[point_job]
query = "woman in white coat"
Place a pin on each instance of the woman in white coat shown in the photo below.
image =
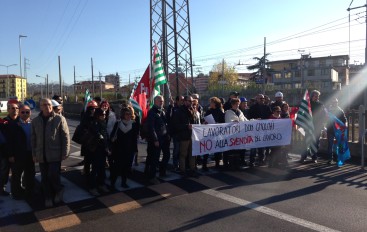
(234, 115)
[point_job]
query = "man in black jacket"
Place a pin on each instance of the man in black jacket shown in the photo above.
(158, 140)
(171, 111)
(182, 122)
(11, 118)
(258, 111)
(20, 157)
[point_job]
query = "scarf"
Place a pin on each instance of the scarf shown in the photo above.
(125, 126)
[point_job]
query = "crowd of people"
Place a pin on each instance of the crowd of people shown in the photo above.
(24, 142)
(108, 141)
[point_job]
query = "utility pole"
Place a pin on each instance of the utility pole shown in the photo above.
(100, 83)
(60, 78)
(264, 68)
(223, 77)
(91, 60)
(365, 50)
(74, 86)
(47, 90)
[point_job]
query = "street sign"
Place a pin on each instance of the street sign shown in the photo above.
(30, 103)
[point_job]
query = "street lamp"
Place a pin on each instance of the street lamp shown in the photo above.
(46, 84)
(20, 65)
(7, 73)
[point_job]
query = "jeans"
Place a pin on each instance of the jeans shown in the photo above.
(153, 157)
(50, 178)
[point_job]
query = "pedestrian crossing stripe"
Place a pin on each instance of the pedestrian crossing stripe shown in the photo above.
(79, 204)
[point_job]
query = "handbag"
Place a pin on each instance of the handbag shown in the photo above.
(78, 134)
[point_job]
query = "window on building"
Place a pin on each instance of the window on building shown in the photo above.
(288, 75)
(297, 85)
(277, 75)
(297, 73)
(287, 86)
(311, 72)
(324, 71)
(322, 63)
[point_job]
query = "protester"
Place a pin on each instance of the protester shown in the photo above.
(20, 157)
(170, 112)
(85, 123)
(258, 111)
(278, 100)
(227, 105)
(124, 145)
(339, 113)
(98, 149)
(56, 107)
(234, 115)
(60, 101)
(216, 110)
(277, 158)
(244, 107)
(318, 119)
(158, 140)
(183, 121)
(10, 119)
(50, 145)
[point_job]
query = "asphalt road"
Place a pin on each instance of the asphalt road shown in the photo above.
(308, 197)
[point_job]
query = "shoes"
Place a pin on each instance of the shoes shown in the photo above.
(124, 185)
(154, 181)
(94, 192)
(314, 161)
(48, 203)
(59, 196)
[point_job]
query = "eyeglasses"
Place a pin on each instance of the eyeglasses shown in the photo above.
(25, 112)
(15, 108)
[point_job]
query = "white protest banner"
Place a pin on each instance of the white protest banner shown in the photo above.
(240, 135)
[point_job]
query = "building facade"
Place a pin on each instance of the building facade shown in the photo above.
(82, 86)
(13, 86)
(328, 73)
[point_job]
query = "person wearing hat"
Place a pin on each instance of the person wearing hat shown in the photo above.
(59, 109)
(278, 100)
(56, 107)
(228, 105)
(243, 106)
(85, 122)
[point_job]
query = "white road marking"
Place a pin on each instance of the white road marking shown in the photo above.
(76, 155)
(268, 211)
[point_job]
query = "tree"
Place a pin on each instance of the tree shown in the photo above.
(230, 75)
(259, 66)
